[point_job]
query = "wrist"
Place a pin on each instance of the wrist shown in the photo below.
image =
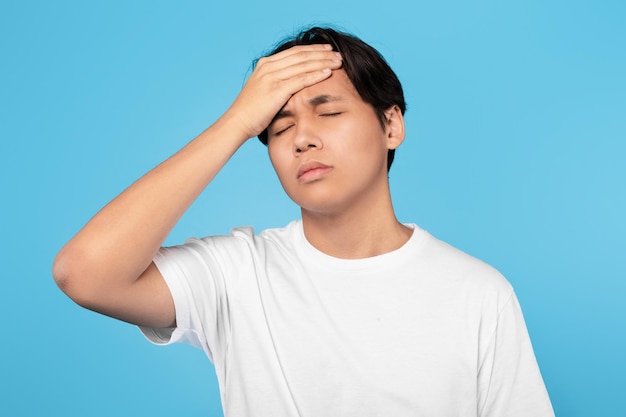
(232, 125)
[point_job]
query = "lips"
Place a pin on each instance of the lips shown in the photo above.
(312, 170)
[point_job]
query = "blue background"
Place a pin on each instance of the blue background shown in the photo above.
(515, 153)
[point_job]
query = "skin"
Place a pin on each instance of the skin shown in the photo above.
(107, 266)
(345, 202)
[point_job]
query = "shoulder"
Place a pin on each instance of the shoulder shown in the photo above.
(244, 239)
(443, 259)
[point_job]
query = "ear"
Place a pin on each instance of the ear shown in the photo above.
(394, 127)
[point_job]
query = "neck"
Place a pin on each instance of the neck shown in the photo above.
(363, 231)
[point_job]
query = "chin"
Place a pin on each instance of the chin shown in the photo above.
(322, 207)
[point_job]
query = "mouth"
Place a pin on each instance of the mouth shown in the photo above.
(312, 170)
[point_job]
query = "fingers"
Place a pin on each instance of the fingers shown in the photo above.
(278, 77)
(307, 62)
(298, 67)
(297, 61)
(297, 49)
(295, 80)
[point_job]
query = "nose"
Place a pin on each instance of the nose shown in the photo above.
(306, 137)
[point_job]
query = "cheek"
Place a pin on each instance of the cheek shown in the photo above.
(362, 141)
(279, 159)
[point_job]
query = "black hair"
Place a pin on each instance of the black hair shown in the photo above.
(366, 68)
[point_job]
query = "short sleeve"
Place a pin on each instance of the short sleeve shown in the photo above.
(199, 275)
(509, 380)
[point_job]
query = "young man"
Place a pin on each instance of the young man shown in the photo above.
(344, 312)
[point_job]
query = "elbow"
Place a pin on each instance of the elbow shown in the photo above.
(61, 272)
(70, 276)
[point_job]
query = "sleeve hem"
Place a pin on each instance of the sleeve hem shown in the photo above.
(166, 336)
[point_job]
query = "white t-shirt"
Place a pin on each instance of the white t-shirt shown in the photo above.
(424, 330)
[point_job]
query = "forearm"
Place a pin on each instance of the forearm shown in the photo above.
(120, 241)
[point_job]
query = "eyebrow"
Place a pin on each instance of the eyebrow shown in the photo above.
(314, 102)
(324, 98)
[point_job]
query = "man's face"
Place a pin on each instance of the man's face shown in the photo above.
(328, 147)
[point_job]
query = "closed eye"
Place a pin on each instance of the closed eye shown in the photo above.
(330, 114)
(283, 130)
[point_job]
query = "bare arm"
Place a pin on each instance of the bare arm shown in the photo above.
(107, 267)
